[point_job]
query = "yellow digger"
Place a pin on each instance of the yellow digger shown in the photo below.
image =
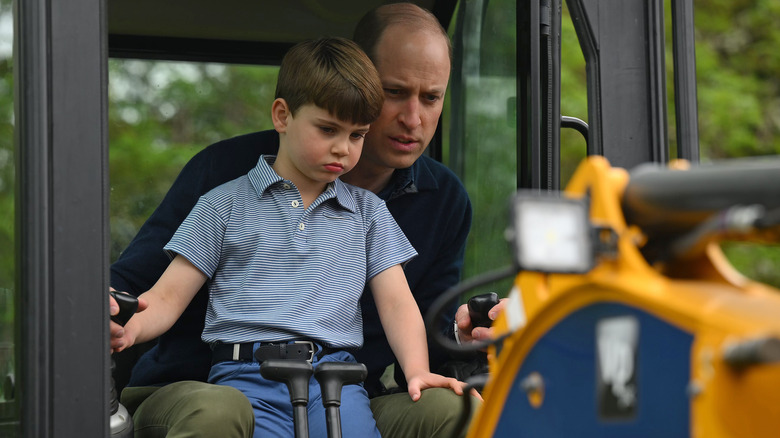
(625, 318)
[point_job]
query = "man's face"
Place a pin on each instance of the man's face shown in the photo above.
(414, 67)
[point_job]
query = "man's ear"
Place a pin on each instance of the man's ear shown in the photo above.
(280, 112)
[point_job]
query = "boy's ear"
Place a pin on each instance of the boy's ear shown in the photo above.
(280, 112)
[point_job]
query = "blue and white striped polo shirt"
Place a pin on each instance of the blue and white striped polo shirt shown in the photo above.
(279, 272)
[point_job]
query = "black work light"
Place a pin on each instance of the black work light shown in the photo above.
(550, 233)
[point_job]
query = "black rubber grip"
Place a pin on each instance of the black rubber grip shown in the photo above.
(479, 306)
(128, 304)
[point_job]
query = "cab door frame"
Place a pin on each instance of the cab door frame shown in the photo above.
(61, 333)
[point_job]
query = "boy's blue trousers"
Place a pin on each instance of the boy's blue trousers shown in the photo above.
(274, 411)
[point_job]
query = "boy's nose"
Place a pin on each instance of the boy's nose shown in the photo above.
(341, 147)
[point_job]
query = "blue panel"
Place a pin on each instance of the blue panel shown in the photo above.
(567, 359)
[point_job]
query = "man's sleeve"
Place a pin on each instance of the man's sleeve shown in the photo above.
(143, 261)
(448, 266)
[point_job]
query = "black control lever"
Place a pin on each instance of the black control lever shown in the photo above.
(296, 374)
(332, 377)
(479, 306)
(120, 422)
(128, 304)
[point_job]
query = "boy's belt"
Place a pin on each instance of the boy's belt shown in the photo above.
(295, 350)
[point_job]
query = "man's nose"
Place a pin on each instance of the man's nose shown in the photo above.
(410, 114)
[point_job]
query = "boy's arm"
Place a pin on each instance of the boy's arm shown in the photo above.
(166, 300)
(405, 331)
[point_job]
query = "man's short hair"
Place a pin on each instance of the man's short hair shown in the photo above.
(334, 74)
(370, 28)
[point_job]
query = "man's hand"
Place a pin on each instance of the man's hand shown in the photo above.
(118, 341)
(430, 380)
(466, 332)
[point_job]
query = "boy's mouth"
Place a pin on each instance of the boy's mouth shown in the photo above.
(334, 167)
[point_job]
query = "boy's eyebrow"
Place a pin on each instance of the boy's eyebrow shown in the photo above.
(341, 123)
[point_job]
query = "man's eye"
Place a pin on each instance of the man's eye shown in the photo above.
(392, 91)
(432, 98)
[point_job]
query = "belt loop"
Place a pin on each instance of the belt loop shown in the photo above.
(236, 351)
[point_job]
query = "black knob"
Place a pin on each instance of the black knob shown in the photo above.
(479, 306)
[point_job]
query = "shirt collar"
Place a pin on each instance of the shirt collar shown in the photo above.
(263, 176)
(413, 179)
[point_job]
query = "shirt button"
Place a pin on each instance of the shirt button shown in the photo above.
(294, 204)
(286, 186)
(301, 226)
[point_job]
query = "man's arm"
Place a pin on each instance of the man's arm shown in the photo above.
(143, 261)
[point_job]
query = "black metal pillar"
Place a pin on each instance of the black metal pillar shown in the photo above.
(623, 44)
(686, 106)
(62, 251)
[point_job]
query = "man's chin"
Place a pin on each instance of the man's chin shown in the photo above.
(402, 161)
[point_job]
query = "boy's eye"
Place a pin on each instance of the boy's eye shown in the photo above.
(358, 135)
(327, 129)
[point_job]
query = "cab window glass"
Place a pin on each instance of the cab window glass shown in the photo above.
(8, 414)
(163, 113)
(484, 98)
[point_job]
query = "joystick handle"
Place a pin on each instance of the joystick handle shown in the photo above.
(128, 304)
(479, 306)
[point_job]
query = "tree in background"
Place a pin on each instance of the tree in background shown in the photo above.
(160, 115)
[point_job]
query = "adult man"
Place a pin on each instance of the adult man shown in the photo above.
(412, 54)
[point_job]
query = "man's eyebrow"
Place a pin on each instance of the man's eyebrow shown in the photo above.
(393, 83)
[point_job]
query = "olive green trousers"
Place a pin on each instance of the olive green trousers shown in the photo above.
(198, 409)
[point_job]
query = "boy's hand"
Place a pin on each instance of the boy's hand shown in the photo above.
(119, 340)
(467, 333)
(430, 380)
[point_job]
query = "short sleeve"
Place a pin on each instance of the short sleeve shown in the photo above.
(199, 238)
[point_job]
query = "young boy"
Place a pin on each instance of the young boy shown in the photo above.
(289, 248)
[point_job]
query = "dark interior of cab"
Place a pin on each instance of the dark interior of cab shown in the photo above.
(235, 31)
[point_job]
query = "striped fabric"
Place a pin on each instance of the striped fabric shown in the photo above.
(279, 272)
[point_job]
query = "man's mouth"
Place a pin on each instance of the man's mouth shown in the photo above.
(404, 143)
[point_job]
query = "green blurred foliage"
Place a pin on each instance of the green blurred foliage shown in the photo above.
(739, 99)
(160, 115)
(7, 187)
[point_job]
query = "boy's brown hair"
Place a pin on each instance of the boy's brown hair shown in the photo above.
(334, 74)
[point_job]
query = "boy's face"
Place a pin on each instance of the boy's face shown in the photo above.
(317, 146)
